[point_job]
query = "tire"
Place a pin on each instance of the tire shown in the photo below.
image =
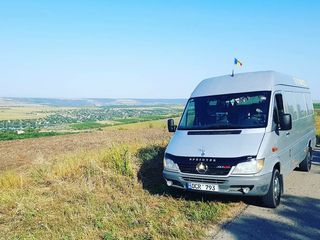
(305, 165)
(272, 198)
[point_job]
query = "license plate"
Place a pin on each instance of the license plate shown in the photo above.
(203, 187)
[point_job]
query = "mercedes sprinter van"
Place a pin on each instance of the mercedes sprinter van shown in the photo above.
(242, 134)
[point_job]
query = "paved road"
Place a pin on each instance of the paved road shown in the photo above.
(298, 216)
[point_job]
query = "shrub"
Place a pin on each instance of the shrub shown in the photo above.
(120, 158)
(151, 152)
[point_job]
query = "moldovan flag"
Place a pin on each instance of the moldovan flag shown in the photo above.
(237, 62)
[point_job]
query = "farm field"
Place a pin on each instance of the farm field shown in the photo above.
(24, 112)
(97, 185)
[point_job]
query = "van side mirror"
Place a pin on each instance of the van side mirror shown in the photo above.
(285, 122)
(171, 126)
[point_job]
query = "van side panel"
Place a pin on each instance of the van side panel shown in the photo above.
(292, 145)
(303, 129)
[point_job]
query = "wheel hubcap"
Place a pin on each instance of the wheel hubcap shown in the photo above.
(276, 188)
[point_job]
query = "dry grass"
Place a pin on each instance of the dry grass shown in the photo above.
(10, 180)
(96, 195)
(317, 119)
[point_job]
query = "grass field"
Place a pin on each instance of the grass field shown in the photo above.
(114, 192)
(318, 122)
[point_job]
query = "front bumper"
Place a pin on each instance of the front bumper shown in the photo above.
(258, 185)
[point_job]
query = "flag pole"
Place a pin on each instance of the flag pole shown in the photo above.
(232, 74)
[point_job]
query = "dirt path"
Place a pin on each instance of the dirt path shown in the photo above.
(298, 216)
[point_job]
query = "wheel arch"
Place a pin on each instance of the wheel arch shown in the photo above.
(278, 167)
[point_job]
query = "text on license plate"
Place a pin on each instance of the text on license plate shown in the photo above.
(203, 187)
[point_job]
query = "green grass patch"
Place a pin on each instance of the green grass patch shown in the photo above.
(316, 106)
(11, 135)
(88, 125)
(143, 119)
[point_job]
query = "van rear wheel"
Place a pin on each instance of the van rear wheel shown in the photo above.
(305, 165)
(272, 198)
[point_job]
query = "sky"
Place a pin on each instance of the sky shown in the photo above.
(150, 49)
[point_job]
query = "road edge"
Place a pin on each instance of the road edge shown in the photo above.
(214, 231)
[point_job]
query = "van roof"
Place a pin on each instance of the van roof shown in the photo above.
(246, 82)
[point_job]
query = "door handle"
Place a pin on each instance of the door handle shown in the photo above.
(287, 134)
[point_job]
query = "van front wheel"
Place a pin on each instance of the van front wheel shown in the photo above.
(272, 198)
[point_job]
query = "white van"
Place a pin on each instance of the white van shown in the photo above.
(242, 134)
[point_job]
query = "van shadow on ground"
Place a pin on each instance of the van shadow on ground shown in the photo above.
(150, 174)
(296, 218)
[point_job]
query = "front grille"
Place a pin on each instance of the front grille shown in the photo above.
(204, 180)
(215, 166)
(212, 170)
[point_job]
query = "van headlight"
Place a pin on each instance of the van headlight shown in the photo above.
(169, 165)
(251, 167)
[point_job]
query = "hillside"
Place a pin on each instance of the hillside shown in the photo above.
(98, 185)
(18, 153)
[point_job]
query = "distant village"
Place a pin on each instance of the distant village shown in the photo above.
(78, 115)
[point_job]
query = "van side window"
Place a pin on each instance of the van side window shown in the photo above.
(309, 104)
(291, 104)
(189, 117)
(302, 105)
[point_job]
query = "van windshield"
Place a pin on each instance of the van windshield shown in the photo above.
(229, 111)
